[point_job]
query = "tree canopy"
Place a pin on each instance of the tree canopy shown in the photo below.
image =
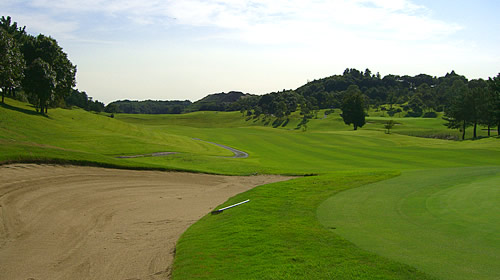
(37, 65)
(353, 111)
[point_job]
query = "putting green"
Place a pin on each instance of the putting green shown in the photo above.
(445, 222)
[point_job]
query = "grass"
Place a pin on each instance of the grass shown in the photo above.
(78, 136)
(441, 221)
(277, 234)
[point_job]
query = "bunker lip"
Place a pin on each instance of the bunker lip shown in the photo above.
(158, 154)
(68, 222)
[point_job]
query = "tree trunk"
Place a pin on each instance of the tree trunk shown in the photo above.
(463, 131)
(355, 127)
(475, 134)
(489, 127)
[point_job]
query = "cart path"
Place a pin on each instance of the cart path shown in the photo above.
(237, 153)
(67, 222)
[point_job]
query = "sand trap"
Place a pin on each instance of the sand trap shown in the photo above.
(61, 222)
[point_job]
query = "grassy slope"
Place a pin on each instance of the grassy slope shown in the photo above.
(79, 136)
(439, 220)
(328, 147)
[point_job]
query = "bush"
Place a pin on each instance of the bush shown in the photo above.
(413, 114)
(430, 115)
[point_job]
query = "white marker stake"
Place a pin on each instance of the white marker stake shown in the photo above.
(231, 206)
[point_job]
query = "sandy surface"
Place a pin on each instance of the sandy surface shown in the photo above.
(91, 223)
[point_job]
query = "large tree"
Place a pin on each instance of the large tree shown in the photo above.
(457, 113)
(353, 107)
(478, 107)
(41, 83)
(11, 64)
(47, 50)
(494, 103)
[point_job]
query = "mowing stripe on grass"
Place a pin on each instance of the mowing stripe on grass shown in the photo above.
(442, 221)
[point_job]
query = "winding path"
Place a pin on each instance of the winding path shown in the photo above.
(237, 153)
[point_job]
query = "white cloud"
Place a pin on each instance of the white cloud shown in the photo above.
(397, 19)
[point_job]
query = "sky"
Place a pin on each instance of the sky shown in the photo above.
(184, 50)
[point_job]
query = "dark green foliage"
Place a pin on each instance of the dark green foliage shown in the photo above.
(48, 50)
(80, 99)
(389, 125)
(231, 101)
(493, 104)
(430, 115)
(353, 107)
(49, 75)
(147, 107)
(11, 64)
(11, 28)
(457, 114)
(40, 81)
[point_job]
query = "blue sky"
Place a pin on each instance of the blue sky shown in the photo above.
(170, 50)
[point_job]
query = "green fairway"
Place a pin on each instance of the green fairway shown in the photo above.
(442, 221)
(277, 235)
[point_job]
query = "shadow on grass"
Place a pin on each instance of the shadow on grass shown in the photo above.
(21, 110)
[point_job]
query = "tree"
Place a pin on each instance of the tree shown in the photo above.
(389, 125)
(415, 104)
(426, 96)
(11, 28)
(477, 110)
(353, 107)
(60, 67)
(493, 117)
(41, 82)
(457, 114)
(11, 64)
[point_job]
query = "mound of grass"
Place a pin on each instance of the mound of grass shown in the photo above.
(80, 136)
(442, 221)
(277, 236)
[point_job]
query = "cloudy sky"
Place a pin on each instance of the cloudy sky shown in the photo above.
(171, 50)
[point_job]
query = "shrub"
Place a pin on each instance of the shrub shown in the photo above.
(430, 115)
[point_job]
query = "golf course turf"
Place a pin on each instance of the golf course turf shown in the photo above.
(442, 221)
(450, 186)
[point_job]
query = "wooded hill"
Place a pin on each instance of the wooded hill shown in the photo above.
(212, 102)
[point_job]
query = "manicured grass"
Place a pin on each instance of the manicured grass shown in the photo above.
(441, 221)
(79, 136)
(327, 146)
(277, 236)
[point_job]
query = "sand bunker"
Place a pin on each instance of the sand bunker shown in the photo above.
(91, 223)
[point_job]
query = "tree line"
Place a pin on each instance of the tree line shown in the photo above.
(37, 70)
(465, 103)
